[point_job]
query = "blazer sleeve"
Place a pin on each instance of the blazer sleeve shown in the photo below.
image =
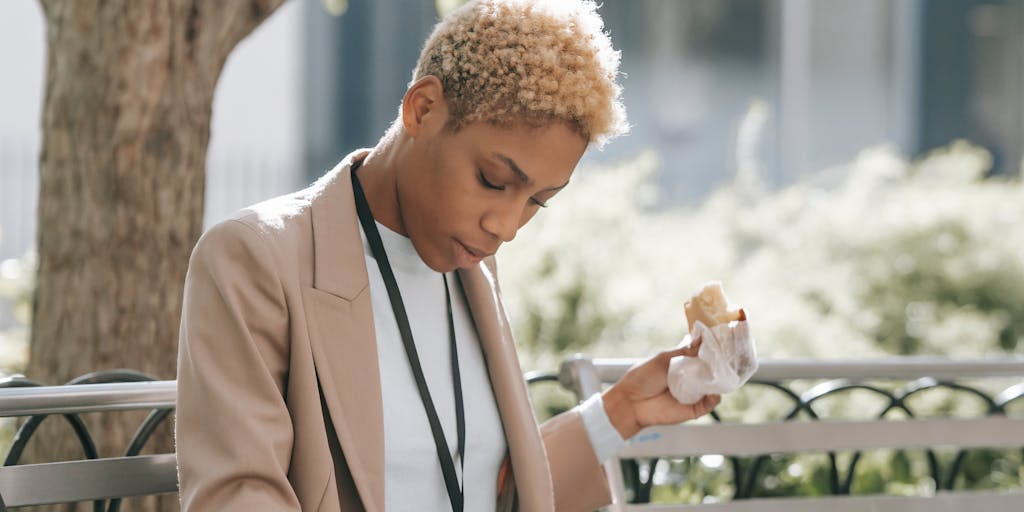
(578, 478)
(233, 432)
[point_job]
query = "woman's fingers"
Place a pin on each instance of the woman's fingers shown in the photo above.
(665, 410)
(701, 407)
(690, 350)
(706, 404)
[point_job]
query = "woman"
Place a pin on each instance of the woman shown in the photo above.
(345, 347)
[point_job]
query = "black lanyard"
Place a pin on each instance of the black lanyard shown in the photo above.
(444, 456)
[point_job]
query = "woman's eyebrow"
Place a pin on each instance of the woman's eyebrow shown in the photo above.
(525, 178)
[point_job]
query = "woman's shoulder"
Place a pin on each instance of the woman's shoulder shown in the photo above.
(282, 232)
(287, 219)
(280, 226)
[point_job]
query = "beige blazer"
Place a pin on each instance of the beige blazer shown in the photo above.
(279, 293)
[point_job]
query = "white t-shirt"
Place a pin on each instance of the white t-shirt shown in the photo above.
(413, 476)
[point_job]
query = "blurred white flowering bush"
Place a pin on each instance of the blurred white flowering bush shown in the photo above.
(16, 285)
(878, 257)
(881, 256)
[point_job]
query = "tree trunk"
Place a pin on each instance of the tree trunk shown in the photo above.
(126, 122)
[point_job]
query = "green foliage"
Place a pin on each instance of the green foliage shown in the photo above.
(335, 7)
(444, 7)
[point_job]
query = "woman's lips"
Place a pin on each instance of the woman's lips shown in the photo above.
(466, 256)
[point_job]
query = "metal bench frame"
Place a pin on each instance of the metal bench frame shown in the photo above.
(93, 479)
(584, 377)
(99, 479)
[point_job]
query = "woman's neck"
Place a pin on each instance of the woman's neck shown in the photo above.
(378, 174)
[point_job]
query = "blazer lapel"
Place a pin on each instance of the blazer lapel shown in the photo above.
(342, 336)
(526, 450)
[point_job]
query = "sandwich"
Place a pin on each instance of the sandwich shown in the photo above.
(711, 307)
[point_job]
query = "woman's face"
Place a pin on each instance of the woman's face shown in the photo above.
(464, 193)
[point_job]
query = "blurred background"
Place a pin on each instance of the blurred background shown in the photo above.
(851, 170)
(767, 92)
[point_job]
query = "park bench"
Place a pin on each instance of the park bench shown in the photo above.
(105, 480)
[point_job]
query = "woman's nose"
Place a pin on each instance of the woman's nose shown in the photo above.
(503, 223)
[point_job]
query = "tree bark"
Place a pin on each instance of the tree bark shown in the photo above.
(126, 122)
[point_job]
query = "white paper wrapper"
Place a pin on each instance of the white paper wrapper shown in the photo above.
(725, 361)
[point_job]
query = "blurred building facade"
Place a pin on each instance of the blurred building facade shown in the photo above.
(813, 81)
(809, 84)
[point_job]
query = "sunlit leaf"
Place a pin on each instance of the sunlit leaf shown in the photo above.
(335, 7)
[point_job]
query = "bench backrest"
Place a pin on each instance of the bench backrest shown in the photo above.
(94, 478)
(116, 477)
(586, 376)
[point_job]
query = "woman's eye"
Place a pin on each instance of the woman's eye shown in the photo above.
(539, 203)
(483, 179)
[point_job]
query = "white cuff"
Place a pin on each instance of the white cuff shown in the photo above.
(603, 436)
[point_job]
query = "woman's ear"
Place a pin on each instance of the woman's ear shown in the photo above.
(424, 109)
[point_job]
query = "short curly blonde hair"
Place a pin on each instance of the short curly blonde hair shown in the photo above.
(509, 61)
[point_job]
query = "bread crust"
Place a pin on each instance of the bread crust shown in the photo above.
(710, 305)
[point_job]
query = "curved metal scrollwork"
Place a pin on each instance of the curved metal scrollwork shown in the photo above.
(896, 400)
(145, 431)
(747, 473)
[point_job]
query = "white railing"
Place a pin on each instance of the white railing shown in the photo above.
(586, 376)
(98, 479)
(94, 478)
(117, 396)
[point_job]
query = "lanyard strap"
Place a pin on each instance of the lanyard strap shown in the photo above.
(444, 455)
